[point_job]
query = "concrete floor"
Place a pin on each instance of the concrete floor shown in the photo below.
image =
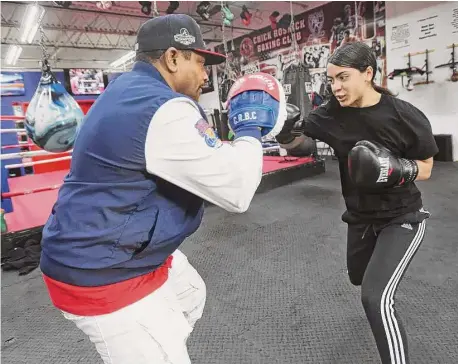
(277, 286)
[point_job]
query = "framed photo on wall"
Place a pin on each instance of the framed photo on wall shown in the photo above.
(12, 84)
(319, 32)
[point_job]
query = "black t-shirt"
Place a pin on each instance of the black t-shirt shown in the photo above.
(394, 123)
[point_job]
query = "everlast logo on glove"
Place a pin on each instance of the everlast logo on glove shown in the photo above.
(371, 165)
(384, 170)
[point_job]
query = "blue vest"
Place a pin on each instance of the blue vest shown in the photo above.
(112, 220)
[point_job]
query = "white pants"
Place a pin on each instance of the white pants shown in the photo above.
(153, 330)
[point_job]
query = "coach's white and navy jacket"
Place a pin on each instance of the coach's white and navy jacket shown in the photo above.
(144, 160)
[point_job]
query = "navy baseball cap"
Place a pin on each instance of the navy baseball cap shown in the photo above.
(175, 30)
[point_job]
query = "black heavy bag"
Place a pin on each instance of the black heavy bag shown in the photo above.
(225, 86)
(294, 84)
(53, 117)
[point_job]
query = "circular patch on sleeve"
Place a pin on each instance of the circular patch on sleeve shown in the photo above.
(208, 133)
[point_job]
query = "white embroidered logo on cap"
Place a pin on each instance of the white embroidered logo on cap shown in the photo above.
(184, 37)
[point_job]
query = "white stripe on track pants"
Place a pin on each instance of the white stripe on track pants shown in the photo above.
(377, 259)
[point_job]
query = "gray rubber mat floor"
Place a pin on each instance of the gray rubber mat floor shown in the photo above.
(277, 286)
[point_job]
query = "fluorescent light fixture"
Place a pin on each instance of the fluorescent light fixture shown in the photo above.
(14, 51)
(123, 60)
(30, 22)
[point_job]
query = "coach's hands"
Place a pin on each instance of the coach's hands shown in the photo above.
(256, 106)
(371, 165)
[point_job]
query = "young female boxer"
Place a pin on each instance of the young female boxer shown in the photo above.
(383, 145)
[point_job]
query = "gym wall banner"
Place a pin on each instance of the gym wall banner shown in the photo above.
(319, 32)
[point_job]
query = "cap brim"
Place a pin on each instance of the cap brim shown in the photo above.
(211, 58)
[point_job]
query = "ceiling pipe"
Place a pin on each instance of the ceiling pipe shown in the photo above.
(88, 29)
(143, 17)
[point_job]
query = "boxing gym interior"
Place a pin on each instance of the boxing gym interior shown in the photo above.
(276, 275)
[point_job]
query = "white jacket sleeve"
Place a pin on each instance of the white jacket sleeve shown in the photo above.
(183, 149)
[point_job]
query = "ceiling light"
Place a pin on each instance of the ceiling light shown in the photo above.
(123, 60)
(30, 22)
(104, 4)
(14, 51)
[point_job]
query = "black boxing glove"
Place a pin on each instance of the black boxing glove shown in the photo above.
(293, 126)
(371, 165)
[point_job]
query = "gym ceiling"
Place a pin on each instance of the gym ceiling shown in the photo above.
(90, 34)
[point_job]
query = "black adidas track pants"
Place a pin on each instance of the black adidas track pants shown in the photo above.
(377, 258)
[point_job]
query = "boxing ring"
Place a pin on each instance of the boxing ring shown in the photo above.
(29, 193)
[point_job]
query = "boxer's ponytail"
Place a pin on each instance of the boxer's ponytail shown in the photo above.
(358, 55)
(382, 90)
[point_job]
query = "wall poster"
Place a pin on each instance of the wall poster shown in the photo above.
(319, 32)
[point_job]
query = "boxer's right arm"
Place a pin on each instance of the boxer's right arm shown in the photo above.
(182, 149)
(295, 130)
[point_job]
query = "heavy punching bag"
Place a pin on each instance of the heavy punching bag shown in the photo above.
(53, 117)
(294, 76)
(290, 82)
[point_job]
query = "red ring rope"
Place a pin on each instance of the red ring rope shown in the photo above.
(48, 188)
(11, 117)
(25, 145)
(26, 192)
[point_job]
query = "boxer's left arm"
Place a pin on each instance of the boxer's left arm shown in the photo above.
(371, 165)
(421, 145)
(424, 169)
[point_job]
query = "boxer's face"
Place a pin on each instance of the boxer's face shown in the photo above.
(191, 75)
(349, 84)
